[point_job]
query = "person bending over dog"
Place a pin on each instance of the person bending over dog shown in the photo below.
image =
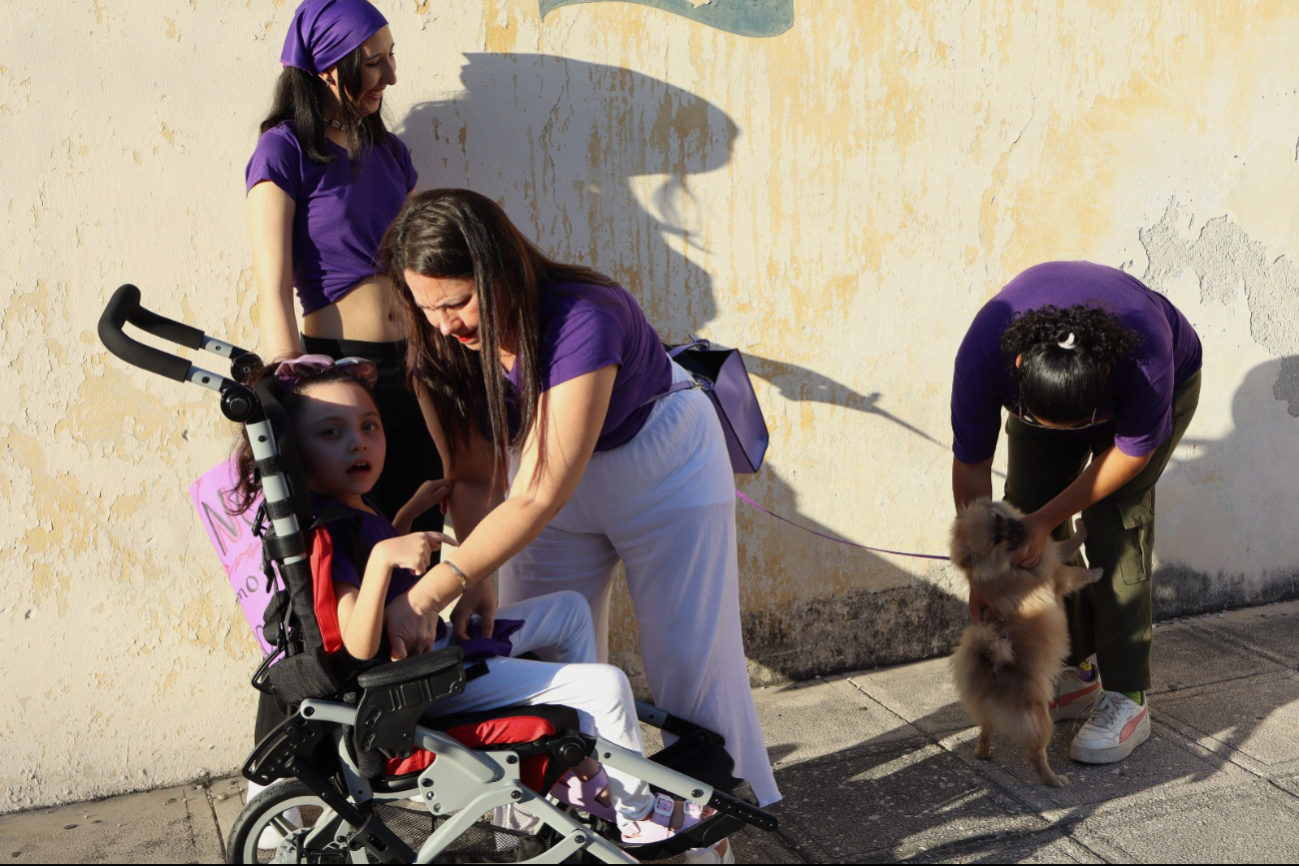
(1101, 377)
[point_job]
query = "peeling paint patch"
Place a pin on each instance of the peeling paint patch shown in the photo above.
(1228, 263)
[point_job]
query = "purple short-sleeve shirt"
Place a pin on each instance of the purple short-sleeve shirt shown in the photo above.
(340, 218)
(374, 529)
(1138, 407)
(587, 327)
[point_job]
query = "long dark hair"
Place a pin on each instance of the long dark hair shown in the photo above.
(301, 97)
(1068, 355)
(459, 234)
(249, 482)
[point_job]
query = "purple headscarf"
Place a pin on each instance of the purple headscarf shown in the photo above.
(323, 32)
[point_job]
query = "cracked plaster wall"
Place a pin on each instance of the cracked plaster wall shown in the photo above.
(838, 200)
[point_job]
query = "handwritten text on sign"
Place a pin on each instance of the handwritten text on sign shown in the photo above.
(238, 548)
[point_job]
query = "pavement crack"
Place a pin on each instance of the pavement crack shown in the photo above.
(211, 805)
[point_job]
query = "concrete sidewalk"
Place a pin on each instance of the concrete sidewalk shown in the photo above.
(878, 766)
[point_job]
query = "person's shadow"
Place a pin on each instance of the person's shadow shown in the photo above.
(1228, 507)
(595, 162)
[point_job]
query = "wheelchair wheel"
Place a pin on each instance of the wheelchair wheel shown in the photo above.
(287, 823)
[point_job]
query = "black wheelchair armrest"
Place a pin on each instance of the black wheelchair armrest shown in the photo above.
(396, 695)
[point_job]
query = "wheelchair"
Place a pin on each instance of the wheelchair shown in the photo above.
(357, 764)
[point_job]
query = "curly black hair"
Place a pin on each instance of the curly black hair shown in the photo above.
(1065, 358)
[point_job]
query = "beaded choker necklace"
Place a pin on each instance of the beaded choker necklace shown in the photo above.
(346, 127)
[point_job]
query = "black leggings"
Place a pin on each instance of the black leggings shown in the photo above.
(412, 457)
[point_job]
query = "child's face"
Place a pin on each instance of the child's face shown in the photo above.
(340, 439)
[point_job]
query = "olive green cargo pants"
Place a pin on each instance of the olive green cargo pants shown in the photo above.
(1112, 617)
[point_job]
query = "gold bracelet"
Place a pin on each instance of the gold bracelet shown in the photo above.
(464, 581)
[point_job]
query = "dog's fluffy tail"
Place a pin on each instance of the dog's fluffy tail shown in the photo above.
(991, 644)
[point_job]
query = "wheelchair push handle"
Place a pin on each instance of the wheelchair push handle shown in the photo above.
(125, 307)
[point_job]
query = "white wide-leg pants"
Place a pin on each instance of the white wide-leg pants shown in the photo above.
(600, 693)
(664, 504)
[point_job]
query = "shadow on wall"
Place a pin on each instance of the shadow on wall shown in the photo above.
(801, 385)
(594, 159)
(1230, 508)
(595, 162)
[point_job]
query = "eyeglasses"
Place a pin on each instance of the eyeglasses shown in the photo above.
(290, 373)
(1033, 422)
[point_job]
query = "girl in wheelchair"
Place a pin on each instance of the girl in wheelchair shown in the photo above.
(341, 442)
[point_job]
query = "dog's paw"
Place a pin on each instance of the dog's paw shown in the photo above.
(1060, 781)
(1097, 574)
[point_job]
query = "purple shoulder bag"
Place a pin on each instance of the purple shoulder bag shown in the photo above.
(720, 373)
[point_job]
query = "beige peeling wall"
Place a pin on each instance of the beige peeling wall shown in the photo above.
(838, 199)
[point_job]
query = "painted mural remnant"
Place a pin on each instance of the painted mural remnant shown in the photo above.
(742, 17)
(239, 550)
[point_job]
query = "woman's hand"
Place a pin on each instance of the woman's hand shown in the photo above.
(430, 493)
(1037, 532)
(980, 610)
(410, 632)
(478, 599)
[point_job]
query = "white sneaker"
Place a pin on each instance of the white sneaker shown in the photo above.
(1075, 692)
(1117, 725)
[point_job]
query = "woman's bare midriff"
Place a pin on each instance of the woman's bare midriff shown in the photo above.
(367, 312)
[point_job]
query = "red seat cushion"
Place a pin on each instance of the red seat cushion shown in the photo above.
(502, 731)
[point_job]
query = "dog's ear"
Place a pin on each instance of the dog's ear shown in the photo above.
(961, 555)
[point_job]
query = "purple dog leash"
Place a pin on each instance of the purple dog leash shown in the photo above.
(838, 540)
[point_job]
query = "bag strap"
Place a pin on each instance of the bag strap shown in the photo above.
(695, 343)
(693, 385)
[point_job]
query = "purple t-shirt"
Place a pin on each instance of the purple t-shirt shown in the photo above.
(339, 219)
(587, 327)
(376, 528)
(1139, 406)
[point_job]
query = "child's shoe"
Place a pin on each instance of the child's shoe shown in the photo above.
(657, 825)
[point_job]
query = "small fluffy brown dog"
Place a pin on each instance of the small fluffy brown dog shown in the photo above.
(1005, 672)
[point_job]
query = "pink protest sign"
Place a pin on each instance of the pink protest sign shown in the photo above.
(239, 550)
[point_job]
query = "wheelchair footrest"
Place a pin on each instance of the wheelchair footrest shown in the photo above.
(749, 814)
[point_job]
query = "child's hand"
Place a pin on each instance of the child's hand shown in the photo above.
(430, 493)
(413, 552)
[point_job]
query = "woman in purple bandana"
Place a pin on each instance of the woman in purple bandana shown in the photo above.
(323, 183)
(1100, 377)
